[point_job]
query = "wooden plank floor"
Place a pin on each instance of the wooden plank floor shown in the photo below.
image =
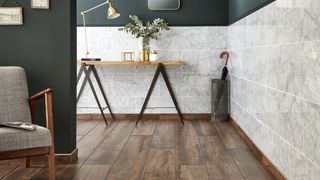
(155, 150)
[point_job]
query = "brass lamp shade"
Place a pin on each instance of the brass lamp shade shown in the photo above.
(112, 12)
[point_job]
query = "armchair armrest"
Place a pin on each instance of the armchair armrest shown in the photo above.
(47, 94)
(40, 94)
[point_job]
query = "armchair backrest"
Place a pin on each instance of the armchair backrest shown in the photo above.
(14, 96)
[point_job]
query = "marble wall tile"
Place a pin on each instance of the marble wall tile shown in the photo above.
(313, 171)
(287, 159)
(277, 67)
(200, 47)
(275, 82)
(236, 62)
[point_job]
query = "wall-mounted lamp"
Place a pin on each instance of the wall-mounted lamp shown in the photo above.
(112, 14)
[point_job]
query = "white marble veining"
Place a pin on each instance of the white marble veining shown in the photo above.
(127, 86)
(275, 82)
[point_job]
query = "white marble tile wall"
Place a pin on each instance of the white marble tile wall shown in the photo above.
(127, 86)
(275, 79)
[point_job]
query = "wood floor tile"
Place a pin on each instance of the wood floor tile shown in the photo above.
(90, 172)
(187, 123)
(88, 144)
(145, 128)
(5, 170)
(205, 128)
(84, 126)
(252, 171)
(79, 138)
(159, 149)
(164, 134)
(249, 165)
(187, 147)
(218, 159)
(22, 173)
(17, 161)
(111, 147)
(130, 162)
(244, 156)
(191, 172)
(62, 172)
(185, 131)
(4, 162)
(127, 123)
(230, 138)
(160, 165)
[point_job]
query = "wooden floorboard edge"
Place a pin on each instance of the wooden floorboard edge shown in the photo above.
(134, 117)
(67, 158)
(261, 156)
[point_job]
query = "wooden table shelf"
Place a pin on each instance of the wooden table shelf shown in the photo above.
(105, 62)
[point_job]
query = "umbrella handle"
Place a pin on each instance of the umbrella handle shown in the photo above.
(222, 55)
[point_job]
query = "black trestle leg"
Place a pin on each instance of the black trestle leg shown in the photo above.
(156, 75)
(166, 80)
(87, 74)
(93, 69)
(161, 70)
(82, 68)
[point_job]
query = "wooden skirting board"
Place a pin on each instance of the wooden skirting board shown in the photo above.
(263, 158)
(67, 158)
(134, 117)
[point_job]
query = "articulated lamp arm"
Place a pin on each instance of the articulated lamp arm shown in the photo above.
(112, 14)
(93, 8)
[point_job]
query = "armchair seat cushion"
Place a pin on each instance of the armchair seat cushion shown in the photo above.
(17, 139)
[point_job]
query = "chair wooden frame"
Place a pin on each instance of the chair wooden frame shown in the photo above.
(27, 153)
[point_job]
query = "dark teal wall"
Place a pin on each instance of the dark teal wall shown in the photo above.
(239, 9)
(45, 46)
(191, 13)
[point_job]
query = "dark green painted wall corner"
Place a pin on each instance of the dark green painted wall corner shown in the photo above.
(45, 46)
(239, 9)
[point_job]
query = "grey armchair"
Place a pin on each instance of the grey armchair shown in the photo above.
(15, 105)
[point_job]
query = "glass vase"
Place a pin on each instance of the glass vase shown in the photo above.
(144, 48)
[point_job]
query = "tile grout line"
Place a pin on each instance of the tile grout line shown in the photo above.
(290, 145)
(146, 158)
(232, 157)
(7, 174)
(175, 151)
(200, 149)
(94, 126)
(119, 153)
(84, 162)
(278, 90)
(272, 45)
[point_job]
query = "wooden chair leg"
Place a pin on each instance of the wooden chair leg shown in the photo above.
(51, 164)
(27, 162)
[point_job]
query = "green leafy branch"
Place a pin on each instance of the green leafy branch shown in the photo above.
(149, 31)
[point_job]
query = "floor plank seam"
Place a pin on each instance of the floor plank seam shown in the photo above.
(82, 136)
(84, 162)
(232, 156)
(90, 129)
(145, 159)
(10, 172)
(120, 152)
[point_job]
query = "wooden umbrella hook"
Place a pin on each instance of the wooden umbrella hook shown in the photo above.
(223, 54)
